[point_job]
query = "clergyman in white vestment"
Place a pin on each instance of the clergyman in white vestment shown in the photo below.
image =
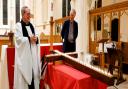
(27, 68)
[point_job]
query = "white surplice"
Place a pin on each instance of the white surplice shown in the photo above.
(27, 59)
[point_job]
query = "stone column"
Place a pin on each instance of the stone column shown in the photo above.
(72, 4)
(1, 12)
(38, 15)
(50, 9)
(82, 18)
(11, 17)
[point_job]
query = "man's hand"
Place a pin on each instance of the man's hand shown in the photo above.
(33, 39)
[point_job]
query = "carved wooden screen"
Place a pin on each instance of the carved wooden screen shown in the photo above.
(58, 27)
(113, 25)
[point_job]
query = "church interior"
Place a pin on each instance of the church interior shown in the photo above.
(101, 58)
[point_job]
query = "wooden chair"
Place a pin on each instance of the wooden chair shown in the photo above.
(115, 55)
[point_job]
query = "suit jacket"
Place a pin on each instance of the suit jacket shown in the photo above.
(64, 34)
(65, 30)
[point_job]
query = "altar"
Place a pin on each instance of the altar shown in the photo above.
(58, 76)
(65, 77)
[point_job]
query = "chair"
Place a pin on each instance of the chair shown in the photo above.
(115, 55)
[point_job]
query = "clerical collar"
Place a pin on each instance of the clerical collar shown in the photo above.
(25, 23)
(71, 22)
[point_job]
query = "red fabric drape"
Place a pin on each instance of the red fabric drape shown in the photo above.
(66, 77)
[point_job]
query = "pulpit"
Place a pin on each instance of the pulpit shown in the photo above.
(102, 60)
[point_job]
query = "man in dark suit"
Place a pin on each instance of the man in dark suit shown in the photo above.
(69, 33)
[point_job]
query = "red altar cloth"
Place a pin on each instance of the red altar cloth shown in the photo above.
(10, 65)
(44, 49)
(66, 77)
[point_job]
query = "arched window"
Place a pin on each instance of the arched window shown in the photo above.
(5, 12)
(66, 7)
(17, 10)
(99, 3)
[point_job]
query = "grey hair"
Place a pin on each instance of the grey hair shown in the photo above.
(23, 10)
(73, 11)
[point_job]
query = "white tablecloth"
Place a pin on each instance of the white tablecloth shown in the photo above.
(88, 58)
(4, 83)
(106, 45)
(48, 44)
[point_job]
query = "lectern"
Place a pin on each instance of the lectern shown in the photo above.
(102, 61)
